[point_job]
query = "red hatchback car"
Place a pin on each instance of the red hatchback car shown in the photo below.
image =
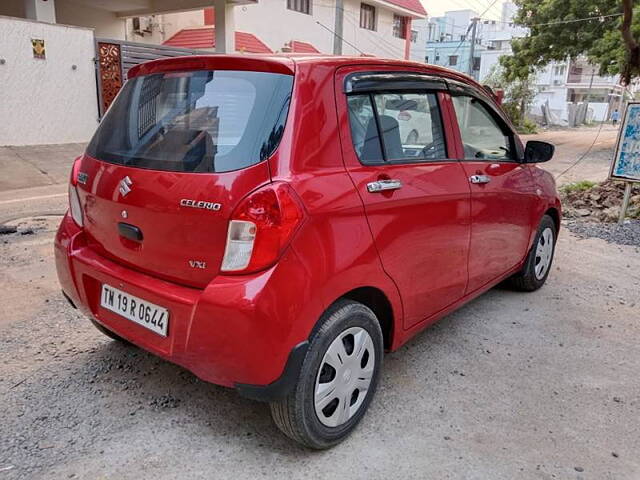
(262, 222)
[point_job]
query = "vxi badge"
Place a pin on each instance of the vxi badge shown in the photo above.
(185, 202)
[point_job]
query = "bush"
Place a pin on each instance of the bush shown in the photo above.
(528, 127)
(581, 186)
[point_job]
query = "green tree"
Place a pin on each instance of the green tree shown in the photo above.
(518, 95)
(608, 39)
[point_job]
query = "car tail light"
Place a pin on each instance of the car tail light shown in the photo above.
(260, 228)
(404, 115)
(75, 207)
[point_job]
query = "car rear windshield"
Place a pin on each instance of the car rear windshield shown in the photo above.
(201, 121)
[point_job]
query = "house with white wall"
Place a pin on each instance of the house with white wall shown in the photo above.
(381, 28)
(496, 36)
(559, 84)
(449, 42)
(575, 81)
(419, 36)
(47, 61)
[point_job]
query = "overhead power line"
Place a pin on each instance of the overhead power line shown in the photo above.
(341, 38)
(464, 38)
(377, 41)
(558, 22)
(489, 7)
(584, 155)
(586, 19)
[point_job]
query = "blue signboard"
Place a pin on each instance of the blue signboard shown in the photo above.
(626, 164)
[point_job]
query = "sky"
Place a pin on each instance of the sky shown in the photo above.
(436, 8)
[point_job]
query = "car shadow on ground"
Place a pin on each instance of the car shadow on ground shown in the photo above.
(101, 390)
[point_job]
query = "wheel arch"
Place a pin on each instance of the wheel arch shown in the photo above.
(555, 216)
(379, 303)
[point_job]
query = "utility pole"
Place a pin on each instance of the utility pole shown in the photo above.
(337, 31)
(472, 49)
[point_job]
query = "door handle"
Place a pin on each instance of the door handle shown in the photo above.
(383, 185)
(479, 179)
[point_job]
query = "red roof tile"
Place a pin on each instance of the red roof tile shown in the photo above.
(248, 42)
(206, 38)
(413, 5)
(302, 47)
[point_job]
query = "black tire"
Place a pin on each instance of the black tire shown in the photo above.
(295, 414)
(109, 333)
(527, 280)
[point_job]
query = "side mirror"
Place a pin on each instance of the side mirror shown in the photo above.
(538, 152)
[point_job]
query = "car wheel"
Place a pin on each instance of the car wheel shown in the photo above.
(538, 264)
(412, 138)
(109, 333)
(338, 378)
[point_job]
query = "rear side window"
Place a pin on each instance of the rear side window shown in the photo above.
(483, 135)
(201, 121)
(396, 127)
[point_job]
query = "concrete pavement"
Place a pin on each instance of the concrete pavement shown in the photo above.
(534, 386)
(33, 166)
(33, 179)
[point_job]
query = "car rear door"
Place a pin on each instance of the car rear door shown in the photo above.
(416, 196)
(502, 190)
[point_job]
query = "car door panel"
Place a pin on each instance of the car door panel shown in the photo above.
(421, 232)
(503, 195)
(422, 229)
(501, 221)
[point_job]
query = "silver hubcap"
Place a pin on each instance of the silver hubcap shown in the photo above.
(544, 253)
(344, 377)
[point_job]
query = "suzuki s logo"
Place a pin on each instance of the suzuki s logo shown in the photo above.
(125, 186)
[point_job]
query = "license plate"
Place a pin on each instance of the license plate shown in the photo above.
(137, 310)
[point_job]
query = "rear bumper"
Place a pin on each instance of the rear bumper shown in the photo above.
(246, 331)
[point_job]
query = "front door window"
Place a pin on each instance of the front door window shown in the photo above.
(483, 138)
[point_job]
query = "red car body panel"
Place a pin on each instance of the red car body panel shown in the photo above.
(500, 214)
(427, 248)
(172, 232)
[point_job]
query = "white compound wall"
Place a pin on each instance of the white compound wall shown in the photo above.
(46, 101)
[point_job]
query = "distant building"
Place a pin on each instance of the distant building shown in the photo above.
(574, 82)
(561, 84)
(449, 42)
(381, 28)
(497, 36)
(64, 61)
(419, 32)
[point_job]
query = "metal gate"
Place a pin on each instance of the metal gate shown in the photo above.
(114, 58)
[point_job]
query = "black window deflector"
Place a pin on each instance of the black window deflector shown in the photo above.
(362, 82)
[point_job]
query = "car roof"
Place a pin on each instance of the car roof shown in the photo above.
(282, 63)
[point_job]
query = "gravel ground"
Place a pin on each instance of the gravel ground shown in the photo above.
(626, 234)
(534, 386)
(512, 386)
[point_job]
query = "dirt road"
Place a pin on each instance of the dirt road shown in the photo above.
(513, 386)
(594, 145)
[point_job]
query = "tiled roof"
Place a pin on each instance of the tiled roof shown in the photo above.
(206, 38)
(413, 5)
(302, 47)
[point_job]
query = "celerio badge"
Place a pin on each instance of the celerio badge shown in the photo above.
(185, 202)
